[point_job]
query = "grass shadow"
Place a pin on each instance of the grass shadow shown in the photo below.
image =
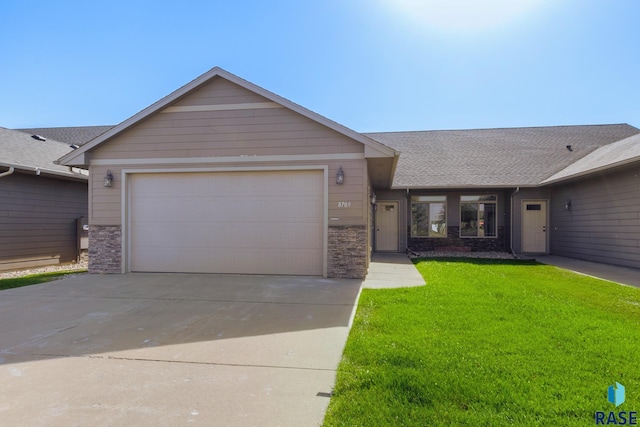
(478, 261)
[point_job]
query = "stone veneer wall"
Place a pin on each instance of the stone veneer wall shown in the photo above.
(347, 247)
(105, 249)
(453, 240)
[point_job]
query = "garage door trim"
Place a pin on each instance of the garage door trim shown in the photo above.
(126, 201)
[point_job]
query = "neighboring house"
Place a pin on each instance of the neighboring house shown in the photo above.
(40, 202)
(75, 135)
(223, 176)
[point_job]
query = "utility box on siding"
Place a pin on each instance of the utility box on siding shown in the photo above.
(82, 233)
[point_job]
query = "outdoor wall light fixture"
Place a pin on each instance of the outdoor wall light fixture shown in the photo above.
(567, 205)
(373, 198)
(108, 179)
(340, 176)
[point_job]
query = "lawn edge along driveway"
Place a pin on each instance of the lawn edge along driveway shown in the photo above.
(489, 343)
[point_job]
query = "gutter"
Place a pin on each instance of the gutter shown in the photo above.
(38, 171)
(511, 224)
(7, 173)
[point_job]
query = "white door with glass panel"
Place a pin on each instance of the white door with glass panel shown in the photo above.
(534, 226)
(387, 226)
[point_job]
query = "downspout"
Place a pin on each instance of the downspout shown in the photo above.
(511, 223)
(7, 173)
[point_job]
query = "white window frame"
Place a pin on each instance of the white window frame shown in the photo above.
(434, 199)
(479, 202)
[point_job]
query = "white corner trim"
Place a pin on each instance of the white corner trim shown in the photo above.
(227, 159)
(221, 107)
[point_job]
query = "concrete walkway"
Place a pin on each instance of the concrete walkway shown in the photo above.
(391, 270)
(624, 275)
(395, 270)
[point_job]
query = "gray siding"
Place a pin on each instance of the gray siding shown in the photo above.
(38, 220)
(603, 223)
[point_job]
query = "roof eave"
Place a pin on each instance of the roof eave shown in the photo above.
(552, 180)
(47, 172)
(74, 158)
(462, 187)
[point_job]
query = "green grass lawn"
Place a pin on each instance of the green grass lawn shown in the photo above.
(489, 343)
(34, 279)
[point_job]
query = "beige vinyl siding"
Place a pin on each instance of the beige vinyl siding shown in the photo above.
(220, 91)
(106, 203)
(603, 224)
(251, 132)
(38, 219)
(207, 135)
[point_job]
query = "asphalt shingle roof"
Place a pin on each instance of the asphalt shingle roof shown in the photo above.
(20, 150)
(620, 152)
(78, 135)
(507, 157)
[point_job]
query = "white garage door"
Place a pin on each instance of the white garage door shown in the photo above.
(227, 222)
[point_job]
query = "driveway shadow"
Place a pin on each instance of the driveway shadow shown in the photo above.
(102, 314)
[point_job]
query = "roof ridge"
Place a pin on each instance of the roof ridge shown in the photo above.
(63, 127)
(503, 128)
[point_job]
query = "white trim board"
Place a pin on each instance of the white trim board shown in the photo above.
(228, 159)
(221, 107)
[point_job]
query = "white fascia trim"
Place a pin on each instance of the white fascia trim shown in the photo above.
(222, 107)
(604, 168)
(227, 159)
(125, 201)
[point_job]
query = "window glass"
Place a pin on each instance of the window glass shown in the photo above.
(437, 220)
(478, 216)
(420, 220)
(428, 216)
(488, 221)
(468, 219)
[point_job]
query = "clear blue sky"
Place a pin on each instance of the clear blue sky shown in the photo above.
(371, 65)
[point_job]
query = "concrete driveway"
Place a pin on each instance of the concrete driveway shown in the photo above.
(172, 349)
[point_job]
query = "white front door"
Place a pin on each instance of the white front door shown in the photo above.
(387, 226)
(534, 226)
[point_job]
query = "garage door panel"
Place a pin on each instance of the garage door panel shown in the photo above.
(218, 236)
(228, 222)
(293, 209)
(253, 261)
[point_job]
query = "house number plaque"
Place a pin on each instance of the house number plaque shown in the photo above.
(344, 204)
